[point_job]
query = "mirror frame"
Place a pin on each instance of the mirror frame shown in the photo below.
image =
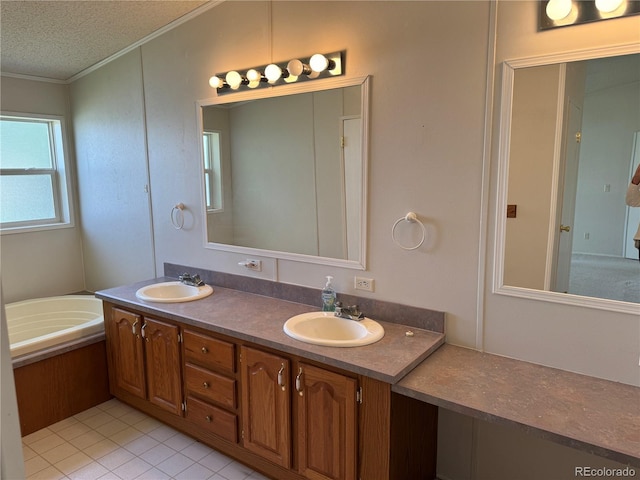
(285, 90)
(506, 99)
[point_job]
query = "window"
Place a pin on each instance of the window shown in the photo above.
(212, 173)
(34, 191)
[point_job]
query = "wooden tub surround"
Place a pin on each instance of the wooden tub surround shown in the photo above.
(59, 385)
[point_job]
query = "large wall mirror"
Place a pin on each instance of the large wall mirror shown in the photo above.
(569, 143)
(285, 171)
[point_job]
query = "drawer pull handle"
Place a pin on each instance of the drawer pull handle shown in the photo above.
(205, 384)
(204, 350)
(281, 376)
(208, 418)
(299, 382)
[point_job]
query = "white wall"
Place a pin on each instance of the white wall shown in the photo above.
(42, 263)
(605, 157)
(109, 125)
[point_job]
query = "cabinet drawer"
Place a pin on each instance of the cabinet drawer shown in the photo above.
(213, 419)
(209, 352)
(210, 386)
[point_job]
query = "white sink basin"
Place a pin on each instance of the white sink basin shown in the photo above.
(173, 292)
(324, 328)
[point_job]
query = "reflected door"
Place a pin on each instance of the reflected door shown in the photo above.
(564, 231)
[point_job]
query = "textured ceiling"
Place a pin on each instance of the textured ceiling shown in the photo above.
(58, 39)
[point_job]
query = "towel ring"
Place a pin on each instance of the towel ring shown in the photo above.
(177, 216)
(410, 217)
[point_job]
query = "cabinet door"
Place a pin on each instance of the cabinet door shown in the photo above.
(126, 357)
(266, 405)
(162, 354)
(326, 424)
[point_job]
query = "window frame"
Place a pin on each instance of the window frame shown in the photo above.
(59, 173)
(212, 177)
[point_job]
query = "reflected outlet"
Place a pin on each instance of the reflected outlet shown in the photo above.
(362, 283)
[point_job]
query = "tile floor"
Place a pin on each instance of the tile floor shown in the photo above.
(113, 441)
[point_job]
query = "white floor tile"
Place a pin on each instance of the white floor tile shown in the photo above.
(34, 465)
(194, 472)
(86, 440)
(74, 431)
(116, 458)
(62, 424)
(196, 451)
(47, 443)
(132, 469)
(162, 433)
(113, 441)
(58, 453)
(125, 436)
(49, 473)
(90, 471)
(157, 454)
(147, 425)
(73, 463)
(153, 474)
(100, 449)
(110, 428)
(215, 461)
(235, 471)
(99, 419)
(141, 444)
(175, 464)
(179, 442)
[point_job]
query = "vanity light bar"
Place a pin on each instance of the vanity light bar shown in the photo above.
(562, 13)
(295, 70)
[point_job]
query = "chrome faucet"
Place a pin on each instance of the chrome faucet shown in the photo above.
(193, 280)
(350, 313)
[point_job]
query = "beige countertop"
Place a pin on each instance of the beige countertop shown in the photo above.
(598, 416)
(259, 319)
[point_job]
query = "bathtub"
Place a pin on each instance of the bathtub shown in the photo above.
(57, 347)
(43, 323)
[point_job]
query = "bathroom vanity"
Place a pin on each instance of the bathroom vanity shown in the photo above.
(222, 370)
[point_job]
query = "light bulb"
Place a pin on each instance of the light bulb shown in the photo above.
(297, 68)
(216, 82)
(558, 9)
(608, 6)
(273, 73)
(254, 77)
(234, 79)
(318, 62)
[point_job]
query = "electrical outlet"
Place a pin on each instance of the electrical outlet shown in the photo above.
(250, 264)
(362, 283)
(586, 235)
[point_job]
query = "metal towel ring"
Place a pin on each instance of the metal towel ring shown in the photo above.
(410, 217)
(177, 216)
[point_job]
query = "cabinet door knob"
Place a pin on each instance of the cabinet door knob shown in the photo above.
(281, 376)
(205, 384)
(299, 382)
(204, 350)
(208, 418)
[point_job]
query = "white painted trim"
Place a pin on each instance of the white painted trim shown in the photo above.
(508, 69)
(290, 89)
(486, 176)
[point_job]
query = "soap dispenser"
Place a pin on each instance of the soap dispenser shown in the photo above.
(328, 296)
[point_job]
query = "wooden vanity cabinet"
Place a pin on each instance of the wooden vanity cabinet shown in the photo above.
(266, 405)
(285, 416)
(143, 356)
(210, 384)
(327, 423)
